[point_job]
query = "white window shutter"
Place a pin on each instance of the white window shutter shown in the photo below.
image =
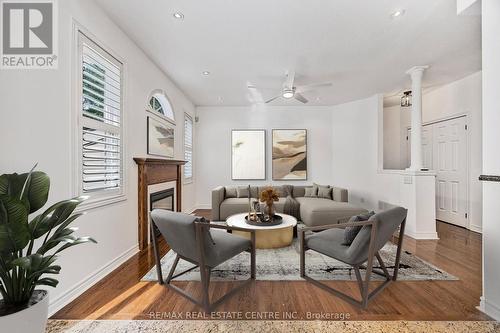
(101, 119)
(188, 147)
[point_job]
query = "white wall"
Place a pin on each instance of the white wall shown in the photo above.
(355, 153)
(213, 143)
(36, 126)
(392, 136)
(491, 157)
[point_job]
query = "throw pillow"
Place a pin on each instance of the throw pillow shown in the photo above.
(311, 192)
(242, 191)
(325, 192)
(231, 192)
(351, 232)
(207, 231)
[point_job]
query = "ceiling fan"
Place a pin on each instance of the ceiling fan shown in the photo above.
(289, 90)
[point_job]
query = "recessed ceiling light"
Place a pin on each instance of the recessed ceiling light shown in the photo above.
(205, 73)
(398, 13)
(178, 15)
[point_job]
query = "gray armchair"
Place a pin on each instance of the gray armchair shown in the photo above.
(374, 234)
(194, 242)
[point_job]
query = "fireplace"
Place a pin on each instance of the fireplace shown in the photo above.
(153, 174)
(162, 200)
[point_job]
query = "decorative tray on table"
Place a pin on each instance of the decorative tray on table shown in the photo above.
(264, 221)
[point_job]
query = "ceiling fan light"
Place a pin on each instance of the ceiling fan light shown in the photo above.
(288, 93)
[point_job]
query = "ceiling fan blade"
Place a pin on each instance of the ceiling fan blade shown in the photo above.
(313, 86)
(300, 98)
(251, 86)
(290, 77)
(272, 99)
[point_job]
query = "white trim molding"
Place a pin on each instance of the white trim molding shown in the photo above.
(79, 288)
(476, 228)
(422, 235)
(489, 308)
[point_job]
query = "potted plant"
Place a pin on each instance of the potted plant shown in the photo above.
(269, 196)
(29, 248)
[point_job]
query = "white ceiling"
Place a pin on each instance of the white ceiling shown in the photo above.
(355, 44)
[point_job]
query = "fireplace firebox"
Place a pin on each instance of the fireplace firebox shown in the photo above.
(161, 200)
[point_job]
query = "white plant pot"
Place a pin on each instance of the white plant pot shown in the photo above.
(30, 320)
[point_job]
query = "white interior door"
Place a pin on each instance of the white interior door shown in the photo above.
(450, 155)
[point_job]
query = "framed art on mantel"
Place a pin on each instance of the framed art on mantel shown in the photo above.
(160, 139)
(289, 154)
(248, 154)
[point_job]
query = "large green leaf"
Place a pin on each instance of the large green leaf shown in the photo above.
(77, 241)
(36, 265)
(53, 217)
(14, 231)
(38, 190)
(31, 188)
(47, 282)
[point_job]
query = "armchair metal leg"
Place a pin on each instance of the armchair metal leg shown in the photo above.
(205, 278)
(302, 255)
(156, 252)
(252, 257)
(359, 280)
(398, 253)
(172, 270)
(382, 265)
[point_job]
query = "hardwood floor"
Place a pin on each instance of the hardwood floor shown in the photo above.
(121, 295)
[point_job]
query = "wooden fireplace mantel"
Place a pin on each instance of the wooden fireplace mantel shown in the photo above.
(154, 171)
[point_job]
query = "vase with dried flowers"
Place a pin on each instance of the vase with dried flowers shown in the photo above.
(268, 197)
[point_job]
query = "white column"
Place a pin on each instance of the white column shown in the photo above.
(416, 74)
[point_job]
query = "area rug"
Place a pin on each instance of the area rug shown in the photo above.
(174, 326)
(283, 264)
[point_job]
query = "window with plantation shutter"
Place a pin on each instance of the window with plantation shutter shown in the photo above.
(188, 148)
(101, 150)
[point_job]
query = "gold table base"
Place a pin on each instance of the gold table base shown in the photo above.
(270, 239)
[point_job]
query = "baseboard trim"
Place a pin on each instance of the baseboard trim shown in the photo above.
(476, 228)
(489, 308)
(78, 289)
(422, 235)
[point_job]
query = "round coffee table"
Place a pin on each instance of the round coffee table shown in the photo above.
(270, 237)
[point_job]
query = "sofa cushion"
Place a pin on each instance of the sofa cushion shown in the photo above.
(242, 191)
(280, 190)
(254, 192)
(231, 192)
(231, 206)
(319, 211)
(329, 242)
(298, 191)
(226, 246)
